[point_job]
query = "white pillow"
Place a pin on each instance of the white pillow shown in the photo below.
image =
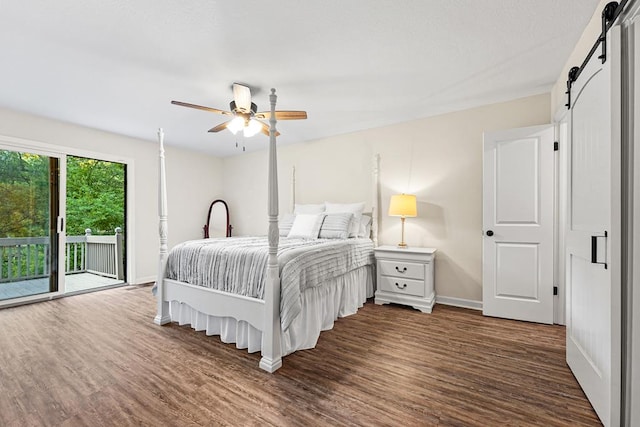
(306, 226)
(308, 209)
(285, 223)
(365, 226)
(354, 208)
(336, 226)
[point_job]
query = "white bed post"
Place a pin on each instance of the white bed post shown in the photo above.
(293, 190)
(162, 316)
(271, 348)
(376, 195)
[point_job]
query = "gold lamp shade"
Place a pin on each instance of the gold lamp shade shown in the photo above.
(404, 206)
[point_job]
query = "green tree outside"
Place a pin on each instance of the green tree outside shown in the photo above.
(95, 196)
(24, 194)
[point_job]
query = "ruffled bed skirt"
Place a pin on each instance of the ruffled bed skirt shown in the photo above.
(321, 306)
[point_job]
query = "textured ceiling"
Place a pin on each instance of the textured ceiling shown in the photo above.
(116, 65)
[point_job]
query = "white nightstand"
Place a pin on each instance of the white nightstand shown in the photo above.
(406, 276)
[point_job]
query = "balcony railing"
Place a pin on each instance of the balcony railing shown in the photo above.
(27, 258)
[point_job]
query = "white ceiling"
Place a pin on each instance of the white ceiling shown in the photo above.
(351, 64)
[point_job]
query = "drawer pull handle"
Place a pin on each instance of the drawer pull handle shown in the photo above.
(404, 269)
(404, 285)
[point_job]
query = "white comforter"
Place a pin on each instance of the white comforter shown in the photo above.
(238, 265)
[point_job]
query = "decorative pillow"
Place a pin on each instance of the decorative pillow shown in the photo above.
(285, 224)
(336, 226)
(306, 226)
(365, 226)
(353, 208)
(308, 209)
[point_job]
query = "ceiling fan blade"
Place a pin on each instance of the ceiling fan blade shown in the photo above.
(242, 97)
(283, 115)
(265, 128)
(220, 127)
(200, 107)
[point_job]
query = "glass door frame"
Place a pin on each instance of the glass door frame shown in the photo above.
(61, 153)
(6, 144)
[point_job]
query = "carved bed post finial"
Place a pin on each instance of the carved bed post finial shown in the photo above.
(162, 316)
(271, 348)
(376, 199)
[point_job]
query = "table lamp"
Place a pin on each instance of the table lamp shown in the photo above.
(403, 205)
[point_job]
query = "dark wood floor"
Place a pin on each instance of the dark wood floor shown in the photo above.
(98, 360)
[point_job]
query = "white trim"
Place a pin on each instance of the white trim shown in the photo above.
(631, 12)
(560, 214)
(45, 147)
(459, 302)
(144, 280)
(631, 391)
(30, 299)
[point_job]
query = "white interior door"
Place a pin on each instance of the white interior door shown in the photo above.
(591, 254)
(517, 270)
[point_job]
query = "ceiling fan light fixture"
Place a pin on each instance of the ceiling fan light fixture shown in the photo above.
(252, 128)
(236, 125)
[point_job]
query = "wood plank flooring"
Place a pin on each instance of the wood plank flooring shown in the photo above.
(98, 360)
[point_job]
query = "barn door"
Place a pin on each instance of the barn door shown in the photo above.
(592, 233)
(517, 270)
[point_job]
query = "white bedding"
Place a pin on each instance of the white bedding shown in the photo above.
(321, 306)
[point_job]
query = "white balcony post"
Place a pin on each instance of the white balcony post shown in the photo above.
(118, 254)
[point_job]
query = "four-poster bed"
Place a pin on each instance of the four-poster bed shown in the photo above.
(257, 318)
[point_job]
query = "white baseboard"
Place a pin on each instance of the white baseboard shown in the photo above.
(459, 302)
(144, 280)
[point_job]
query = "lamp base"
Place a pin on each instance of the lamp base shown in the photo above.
(402, 245)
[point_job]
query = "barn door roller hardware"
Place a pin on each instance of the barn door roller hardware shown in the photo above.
(609, 14)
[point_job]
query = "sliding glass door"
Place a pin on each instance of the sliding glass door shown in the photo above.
(62, 223)
(29, 211)
(95, 224)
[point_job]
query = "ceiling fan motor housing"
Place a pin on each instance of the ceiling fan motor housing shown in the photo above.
(232, 107)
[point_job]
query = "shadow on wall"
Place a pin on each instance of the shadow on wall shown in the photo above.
(452, 276)
(431, 219)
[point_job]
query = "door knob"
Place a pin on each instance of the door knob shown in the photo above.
(489, 233)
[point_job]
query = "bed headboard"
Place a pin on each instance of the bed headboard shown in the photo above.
(373, 213)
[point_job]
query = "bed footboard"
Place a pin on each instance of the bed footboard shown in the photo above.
(216, 303)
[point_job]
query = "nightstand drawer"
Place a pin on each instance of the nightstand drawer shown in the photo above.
(401, 269)
(400, 285)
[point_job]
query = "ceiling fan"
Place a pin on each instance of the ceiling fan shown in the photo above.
(245, 114)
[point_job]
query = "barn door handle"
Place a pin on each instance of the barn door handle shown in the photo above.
(594, 249)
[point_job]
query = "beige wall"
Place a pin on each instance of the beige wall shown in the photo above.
(438, 158)
(193, 180)
(589, 35)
